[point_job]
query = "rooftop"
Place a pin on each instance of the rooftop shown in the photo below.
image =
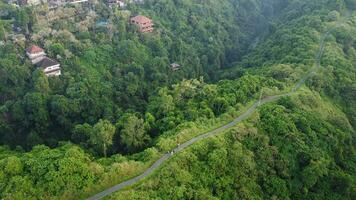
(46, 62)
(34, 49)
(141, 19)
(174, 65)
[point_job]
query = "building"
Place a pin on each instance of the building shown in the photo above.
(76, 1)
(144, 24)
(175, 66)
(38, 57)
(50, 67)
(35, 53)
(29, 2)
(137, 1)
(118, 3)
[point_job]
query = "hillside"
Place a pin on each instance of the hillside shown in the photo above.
(283, 152)
(118, 105)
(301, 147)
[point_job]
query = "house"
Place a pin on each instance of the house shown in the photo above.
(175, 66)
(35, 53)
(38, 57)
(50, 67)
(144, 24)
(29, 2)
(76, 1)
(118, 3)
(137, 1)
(102, 23)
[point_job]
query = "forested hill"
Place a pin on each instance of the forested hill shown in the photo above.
(110, 70)
(300, 147)
(119, 106)
(292, 45)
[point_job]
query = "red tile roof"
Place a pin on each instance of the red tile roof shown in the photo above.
(34, 49)
(141, 19)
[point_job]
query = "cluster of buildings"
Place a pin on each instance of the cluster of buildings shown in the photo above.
(50, 66)
(51, 3)
(57, 3)
(38, 57)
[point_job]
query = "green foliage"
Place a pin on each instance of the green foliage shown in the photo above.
(114, 70)
(40, 82)
(132, 134)
(57, 49)
(102, 135)
(44, 172)
(2, 31)
(351, 4)
(289, 156)
(81, 133)
(301, 148)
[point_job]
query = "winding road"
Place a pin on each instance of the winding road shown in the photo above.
(221, 129)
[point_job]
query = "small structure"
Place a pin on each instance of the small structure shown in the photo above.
(118, 3)
(102, 23)
(175, 66)
(76, 1)
(29, 2)
(137, 1)
(144, 24)
(50, 67)
(35, 53)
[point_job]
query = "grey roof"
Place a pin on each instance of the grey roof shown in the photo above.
(46, 62)
(175, 65)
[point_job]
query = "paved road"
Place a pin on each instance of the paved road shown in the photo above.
(218, 130)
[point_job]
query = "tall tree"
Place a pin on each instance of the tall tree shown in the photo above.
(102, 135)
(133, 135)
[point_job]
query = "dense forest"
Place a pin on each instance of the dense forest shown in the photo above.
(111, 71)
(287, 151)
(118, 105)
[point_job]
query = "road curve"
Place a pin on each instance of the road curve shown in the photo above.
(218, 130)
